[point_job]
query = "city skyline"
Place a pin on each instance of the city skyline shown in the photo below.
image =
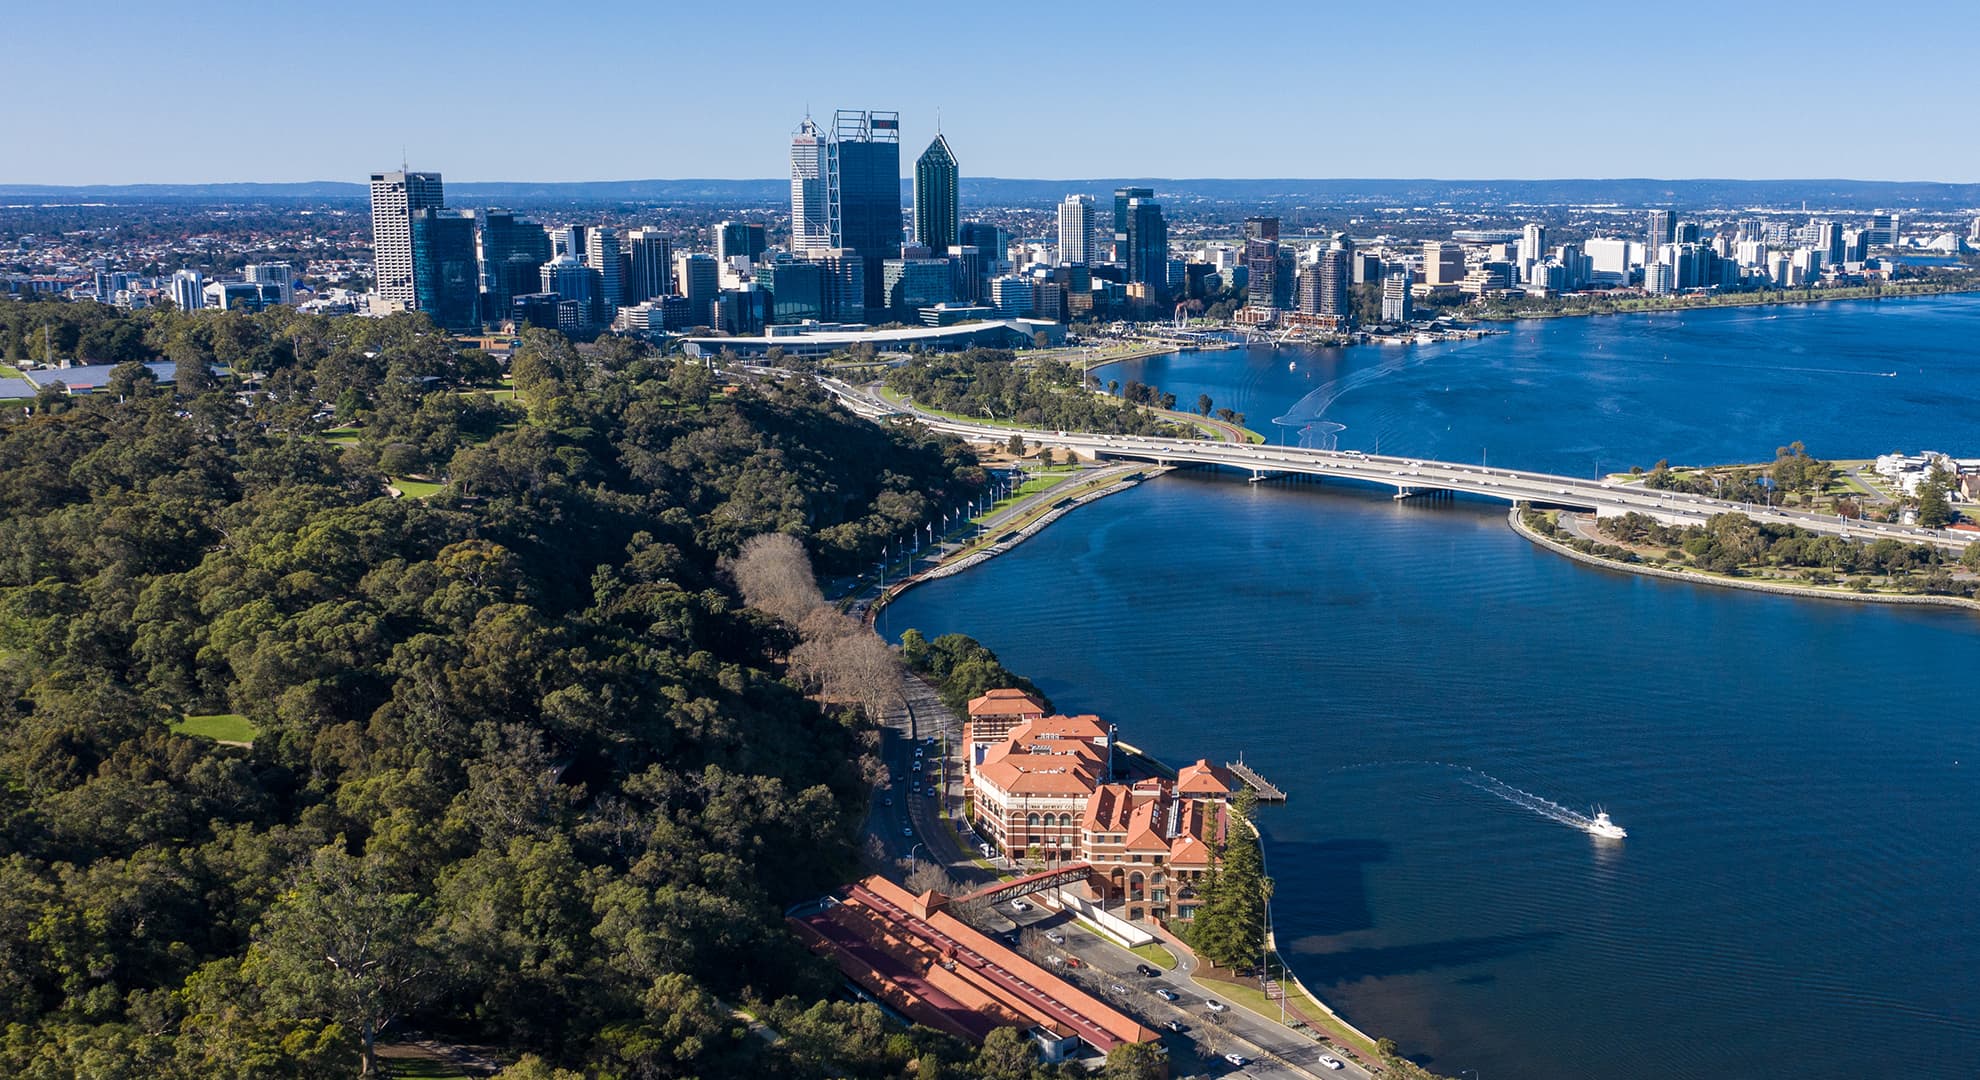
(1703, 109)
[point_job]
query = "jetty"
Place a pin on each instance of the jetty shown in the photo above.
(1267, 791)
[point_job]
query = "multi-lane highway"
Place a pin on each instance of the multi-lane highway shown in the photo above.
(1406, 475)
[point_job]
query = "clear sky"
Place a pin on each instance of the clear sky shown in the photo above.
(228, 91)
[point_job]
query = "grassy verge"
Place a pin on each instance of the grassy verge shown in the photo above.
(10, 372)
(417, 489)
(220, 727)
(1251, 997)
(1156, 955)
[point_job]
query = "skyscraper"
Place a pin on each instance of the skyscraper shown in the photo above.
(394, 196)
(446, 273)
(1443, 262)
(1395, 297)
(1661, 230)
(188, 290)
(864, 178)
(811, 225)
(1261, 263)
(1147, 244)
(739, 238)
(1121, 198)
(937, 194)
(1076, 235)
(279, 274)
(1336, 274)
(601, 253)
(512, 253)
(699, 279)
(652, 265)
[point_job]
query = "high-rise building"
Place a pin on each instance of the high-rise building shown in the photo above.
(1368, 268)
(1659, 278)
(279, 274)
(739, 239)
(394, 196)
(1147, 245)
(811, 223)
(1532, 246)
(571, 281)
(1261, 263)
(1443, 263)
(1687, 232)
(796, 288)
(992, 241)
(446, 271)
(512, 253)
(652, 265)
(1396, 297)
(845, 284)
(1336, 276)
(1829, 241)
(1077, 238)
(1660, 230)
(568, 241)
(913, 284)
(1121, 198)
(188, 290)
(864, 179)
(698, 278)
(601, 253)
(937, 195)
(1012, 295)
(1882, 231)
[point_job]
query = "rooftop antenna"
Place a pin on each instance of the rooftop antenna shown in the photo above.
(938, 119)
(403, 166)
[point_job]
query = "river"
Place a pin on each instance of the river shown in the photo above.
(1800, 779)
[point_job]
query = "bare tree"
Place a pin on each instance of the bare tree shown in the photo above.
(773, 572)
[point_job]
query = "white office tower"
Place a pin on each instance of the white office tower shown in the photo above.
(1078, 242)
(1532, 247)
(601, 253)
(1659, 279)
(394, 196)
(1751, 253)
(652, 265)
(188, 290)
(811, 225)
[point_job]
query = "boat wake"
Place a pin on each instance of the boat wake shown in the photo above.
(1595, 824)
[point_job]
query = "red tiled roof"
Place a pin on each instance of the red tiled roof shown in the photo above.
(1204, 778)
(1006, 702)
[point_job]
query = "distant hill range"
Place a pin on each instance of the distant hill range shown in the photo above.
(997, 191)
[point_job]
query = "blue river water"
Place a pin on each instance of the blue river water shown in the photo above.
(1800, 779)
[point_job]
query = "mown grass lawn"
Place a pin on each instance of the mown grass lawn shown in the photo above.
(1156, 955)
(221, 727)
(417, 489)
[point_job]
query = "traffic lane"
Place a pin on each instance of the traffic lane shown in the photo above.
(1110, 961)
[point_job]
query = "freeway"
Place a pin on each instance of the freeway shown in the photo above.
(1409, 476)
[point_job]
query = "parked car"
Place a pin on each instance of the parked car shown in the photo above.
(1330, 1061)
(906, 831)
(1074, 961)
(1176, 1026)
(1216, 1006)
(1019, 905)
(1238, 1060)
(1147, 972)
(1167, 995)
(1055, 937)
(1055, 958)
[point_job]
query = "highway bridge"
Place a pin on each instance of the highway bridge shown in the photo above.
(1408, 476)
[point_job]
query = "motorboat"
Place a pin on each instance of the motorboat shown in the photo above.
(1600, 825)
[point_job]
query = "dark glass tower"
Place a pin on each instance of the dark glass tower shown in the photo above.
(1147, 244)
(512, 255)
(865, 183)
(937, 180)
(1121, 199)
(446, 274)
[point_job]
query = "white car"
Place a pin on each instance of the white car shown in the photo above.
(1056, 938)
(1330, 1061)
(1019, 905)
(1216, 1006)
(1237, 1060)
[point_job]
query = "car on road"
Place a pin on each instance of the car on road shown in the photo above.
(1216, 1006)
(1167, 995)
(1330, 1061)
(1019, 905)
(1238, 1060)
(907, 831)
(1176, 1026)
(1055, 937)
(1074, 961)
(887, 801)
(1117, 988)
(932, 792)
(1147, 971)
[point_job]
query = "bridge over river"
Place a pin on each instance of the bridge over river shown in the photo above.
(1408, 476)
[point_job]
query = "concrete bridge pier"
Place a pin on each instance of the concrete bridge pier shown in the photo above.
(1432, 494)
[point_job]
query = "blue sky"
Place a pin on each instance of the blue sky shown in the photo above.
(226, 91)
